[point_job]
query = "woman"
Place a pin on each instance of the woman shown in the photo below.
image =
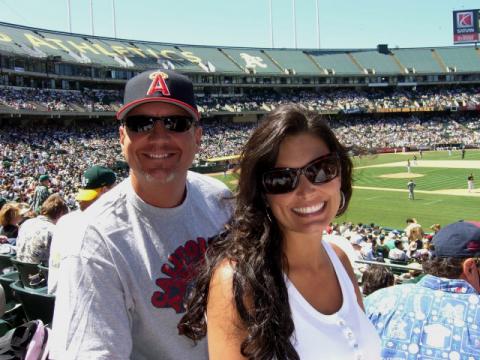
(10, 217)
(272, 289)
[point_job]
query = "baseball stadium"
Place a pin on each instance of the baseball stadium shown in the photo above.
(81, 78)
(405, 116)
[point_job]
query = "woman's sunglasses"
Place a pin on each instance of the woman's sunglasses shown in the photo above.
(144, 123)
(319, 171)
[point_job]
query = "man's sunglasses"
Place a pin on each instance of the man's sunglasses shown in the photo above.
(318, 171)
(144, 123)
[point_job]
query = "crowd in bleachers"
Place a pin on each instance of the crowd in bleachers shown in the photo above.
(346, 100)
(365, 132)
(326, 99)
(65, 152)
(59, 100)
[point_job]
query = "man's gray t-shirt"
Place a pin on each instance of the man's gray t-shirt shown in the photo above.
(121, 288)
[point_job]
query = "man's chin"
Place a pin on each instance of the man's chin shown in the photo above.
(160, 177)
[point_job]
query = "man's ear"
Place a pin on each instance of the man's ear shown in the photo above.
(121, 131)
(198, 131)
(470, 273)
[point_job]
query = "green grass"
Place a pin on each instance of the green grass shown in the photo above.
(432, 179)
(391, 208)
(388, 208)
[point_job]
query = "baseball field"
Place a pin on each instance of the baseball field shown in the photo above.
(380, 192)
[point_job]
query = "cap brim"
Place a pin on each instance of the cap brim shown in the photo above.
(125, 109)
(87, 194)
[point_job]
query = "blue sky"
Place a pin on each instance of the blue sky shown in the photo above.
(343, 23)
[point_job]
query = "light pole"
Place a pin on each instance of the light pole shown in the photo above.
(114, 20)
(91, 17)
(318, 24)
(69, 16)
(271, 23)
(294, 25)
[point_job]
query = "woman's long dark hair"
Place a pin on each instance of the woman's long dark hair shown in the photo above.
(254, 243)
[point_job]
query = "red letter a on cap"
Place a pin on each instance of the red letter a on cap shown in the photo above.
(158, 84)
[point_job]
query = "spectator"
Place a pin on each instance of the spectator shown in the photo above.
(275, 255)
(381, 250)
(41, 192)
(376, 277)
(10, 217)
(96, 181)
(436, 228)
(437, 317)
(141, 243)
(35, 235)
(398, 253)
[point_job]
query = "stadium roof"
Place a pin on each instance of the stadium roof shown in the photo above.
(139, 55)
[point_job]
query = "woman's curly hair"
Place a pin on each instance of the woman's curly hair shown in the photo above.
(254, 242)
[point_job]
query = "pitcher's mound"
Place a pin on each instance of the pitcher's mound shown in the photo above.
(404, 175)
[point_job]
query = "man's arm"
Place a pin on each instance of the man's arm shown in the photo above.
(91, 319)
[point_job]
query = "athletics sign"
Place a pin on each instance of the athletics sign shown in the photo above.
(466, 27)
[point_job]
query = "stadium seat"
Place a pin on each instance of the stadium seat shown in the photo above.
(397, 271)
(28, 272)
(14, 315)
(43, 272)
(36, 303)
(6, 280)
(5, 262)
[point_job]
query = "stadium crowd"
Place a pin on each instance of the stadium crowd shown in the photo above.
(62, 153)
(65, 152)
(346, 100)
(59, 100)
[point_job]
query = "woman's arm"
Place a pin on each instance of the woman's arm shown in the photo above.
(225, 331)
(348, 267)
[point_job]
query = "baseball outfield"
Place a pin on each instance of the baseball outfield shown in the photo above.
(380, 188)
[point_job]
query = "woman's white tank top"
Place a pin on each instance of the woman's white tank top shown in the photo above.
(344, 335)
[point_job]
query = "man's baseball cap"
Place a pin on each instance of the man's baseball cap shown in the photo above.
(43, 177)
(93, 180)
(162, 86)
(458, 240)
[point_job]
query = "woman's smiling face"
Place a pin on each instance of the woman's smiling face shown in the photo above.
(309, 208)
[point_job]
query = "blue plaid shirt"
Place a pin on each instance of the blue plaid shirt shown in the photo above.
(436, 318)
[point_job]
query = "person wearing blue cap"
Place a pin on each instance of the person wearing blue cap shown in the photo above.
(130, 268)
(437, 317)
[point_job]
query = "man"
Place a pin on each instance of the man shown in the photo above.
(123, 295)
(437, 318)
(381, 250)
(96, 181)
(398, 253)
(463, 152)
(411, 186)
(470, 183)
(35, 235)
(41, 193)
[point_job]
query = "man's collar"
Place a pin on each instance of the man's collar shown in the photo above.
(456, 286)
